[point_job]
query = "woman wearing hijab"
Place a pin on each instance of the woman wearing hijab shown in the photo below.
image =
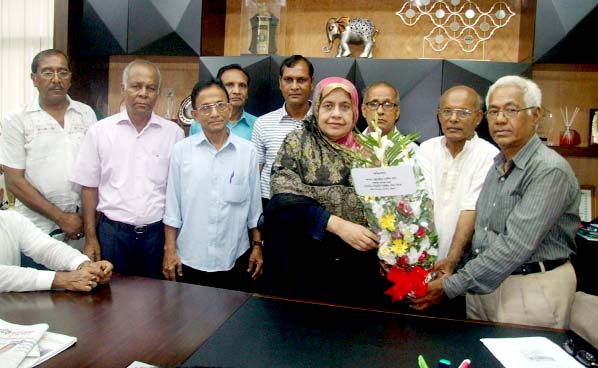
(316, 230)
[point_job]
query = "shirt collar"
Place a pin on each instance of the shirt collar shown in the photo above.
(284, 113)
(34, 105)
(468, 143)
(123, 117)
(201, 139)
(523, 156)
(243, 119)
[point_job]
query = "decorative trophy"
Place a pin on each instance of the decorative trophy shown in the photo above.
(263, 31)
(594, 129)
(170, 105)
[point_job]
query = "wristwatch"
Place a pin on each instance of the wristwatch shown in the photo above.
(259, 243)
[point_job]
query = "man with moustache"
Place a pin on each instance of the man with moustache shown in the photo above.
(39, 145)
(455, 166)
(295, 81)
(236, 81)
(212, 200)
(123, 166)
(526, 221)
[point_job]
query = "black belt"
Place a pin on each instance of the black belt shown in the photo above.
(138, 229)
(534, 267)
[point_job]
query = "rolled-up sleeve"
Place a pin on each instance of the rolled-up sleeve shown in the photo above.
(172, 213)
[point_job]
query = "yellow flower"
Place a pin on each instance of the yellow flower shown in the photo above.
(388, 222)
(368, 198)
(384, 250)
(399, 246)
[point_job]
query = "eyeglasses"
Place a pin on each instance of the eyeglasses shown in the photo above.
(584, 357)
(207, 109)
(48, 75)
(509, 113)
(387, 105)
(461, 113)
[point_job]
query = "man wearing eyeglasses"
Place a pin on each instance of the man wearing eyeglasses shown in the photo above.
(212, 200)
(39, 145)
(122, 167)
(236, 80)
(527, 218)
(455, 166)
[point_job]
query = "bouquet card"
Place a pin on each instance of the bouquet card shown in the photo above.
(384, 181)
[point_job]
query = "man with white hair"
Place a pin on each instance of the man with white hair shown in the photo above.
(122, 167)
(527, 217)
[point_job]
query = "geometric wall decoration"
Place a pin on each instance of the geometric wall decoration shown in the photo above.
(459, 22)
(103, 28)
(157, 27)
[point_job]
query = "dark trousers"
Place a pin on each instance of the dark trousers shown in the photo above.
(130, 252)
(236, 278)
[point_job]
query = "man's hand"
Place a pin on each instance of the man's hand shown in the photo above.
(445, 266)
(71, 224)
(433, 296)
(80, 280)
(91, 248)
(101, 269)
(171, 265)
(256, 262)
(357, 236)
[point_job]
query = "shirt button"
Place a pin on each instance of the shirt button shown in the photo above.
(502, 179)
(477, 251)
(485, 228)
(494, 204)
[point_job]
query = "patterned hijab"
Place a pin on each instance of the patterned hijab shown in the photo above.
(323, 89)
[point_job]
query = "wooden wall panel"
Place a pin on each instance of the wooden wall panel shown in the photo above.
(306, 35)
(178, 72)
(571, 86)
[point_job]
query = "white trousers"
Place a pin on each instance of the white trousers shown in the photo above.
(538, 299)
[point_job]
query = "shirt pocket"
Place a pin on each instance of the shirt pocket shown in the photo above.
(157, 168)
(235, 193)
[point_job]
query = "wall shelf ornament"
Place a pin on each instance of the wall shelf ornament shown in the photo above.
(456, 21)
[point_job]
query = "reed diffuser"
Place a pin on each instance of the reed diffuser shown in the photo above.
(569, 137)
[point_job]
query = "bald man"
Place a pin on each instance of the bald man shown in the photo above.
(455, 166)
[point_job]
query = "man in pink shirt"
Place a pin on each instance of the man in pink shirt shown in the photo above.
(122, 167)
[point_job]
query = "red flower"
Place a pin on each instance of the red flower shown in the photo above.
(404, 261)
(423, 256)
(421, 232)
(405, 208)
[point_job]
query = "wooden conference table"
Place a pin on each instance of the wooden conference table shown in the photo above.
(167, 324)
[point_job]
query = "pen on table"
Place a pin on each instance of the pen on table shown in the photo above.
(232, 175)
(465, 363)
(421, 362)
(444, 363)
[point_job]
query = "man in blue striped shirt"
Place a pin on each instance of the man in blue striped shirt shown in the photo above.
(527, 217)
(295, 81)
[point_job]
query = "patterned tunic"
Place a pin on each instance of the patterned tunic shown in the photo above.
(310, 165)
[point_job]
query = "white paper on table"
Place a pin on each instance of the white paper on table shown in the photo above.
(50, 345)
(137, 364)
(530, 352)
(17, 341)
(384, 181)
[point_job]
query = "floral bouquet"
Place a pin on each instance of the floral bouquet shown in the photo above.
(404, 223)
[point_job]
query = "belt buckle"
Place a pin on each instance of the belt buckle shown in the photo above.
(140, 229)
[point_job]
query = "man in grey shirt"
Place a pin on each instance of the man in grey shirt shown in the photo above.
(527, 217)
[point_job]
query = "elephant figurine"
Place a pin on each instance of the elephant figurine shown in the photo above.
(351, 31)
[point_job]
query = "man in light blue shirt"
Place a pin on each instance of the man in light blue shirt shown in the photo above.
(236, 81)
(212, 199)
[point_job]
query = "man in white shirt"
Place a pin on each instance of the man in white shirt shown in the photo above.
(455, 166)
(296, 82)
(39, 145)
(76, 272)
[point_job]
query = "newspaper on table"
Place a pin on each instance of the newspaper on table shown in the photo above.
(24, 346)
